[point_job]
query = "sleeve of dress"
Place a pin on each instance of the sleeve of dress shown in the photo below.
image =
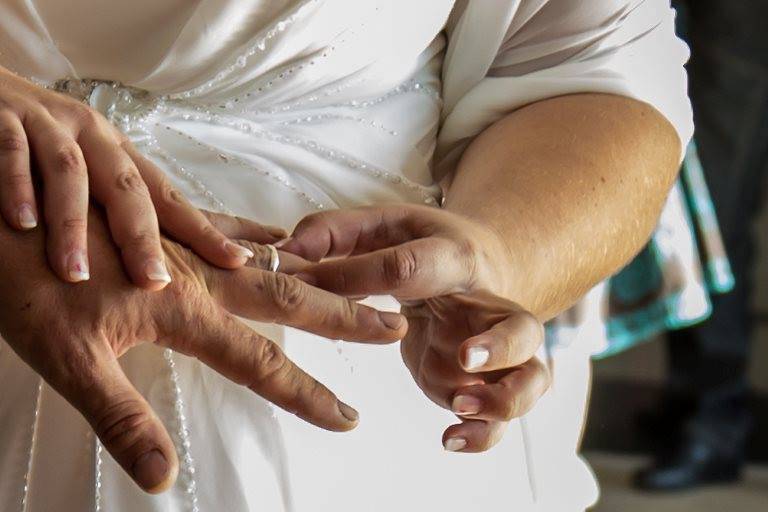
(505, 54)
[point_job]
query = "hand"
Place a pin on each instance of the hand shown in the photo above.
(80, 154)
(468, 348)
(72, 335)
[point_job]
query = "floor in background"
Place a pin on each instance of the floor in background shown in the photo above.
(614, 473)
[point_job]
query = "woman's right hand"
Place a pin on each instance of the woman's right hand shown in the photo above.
(72, 335)
(74, 153)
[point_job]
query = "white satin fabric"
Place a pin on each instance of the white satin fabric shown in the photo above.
(273, 110)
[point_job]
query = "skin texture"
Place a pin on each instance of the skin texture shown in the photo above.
(79, 155)
(544, 204)
(72, 335)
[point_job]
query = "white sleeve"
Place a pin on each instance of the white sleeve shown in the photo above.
(503, 55)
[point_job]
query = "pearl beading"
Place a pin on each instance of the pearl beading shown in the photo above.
(216, 204)
(309, 145)
(338, 117)
(229, 158)
(259, 44)
(31, 450)
(97, 477)
(185, 449)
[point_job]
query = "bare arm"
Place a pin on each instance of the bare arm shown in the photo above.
(573, 186)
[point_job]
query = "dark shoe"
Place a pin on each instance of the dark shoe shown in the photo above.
(694, 463)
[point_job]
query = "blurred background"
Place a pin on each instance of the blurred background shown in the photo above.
(679, 422)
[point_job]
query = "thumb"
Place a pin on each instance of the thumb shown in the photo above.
(127, 426)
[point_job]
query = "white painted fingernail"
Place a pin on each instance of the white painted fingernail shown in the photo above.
(27, 219)
(466, 405)
(476, 357)
(77, 267)
(282, 242)
(238, 250)
(455, 444)
(156, 271)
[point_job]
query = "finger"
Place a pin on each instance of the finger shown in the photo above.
(473, 436)
(17, 195)
(125, 423)
(350, 231)
(507, 344)
(263, 258)
(419, 269)
(246, 229)
(185, 223)
(280, 298)
(118, 186)
(249, 359)
(65, 196)
(510, 397)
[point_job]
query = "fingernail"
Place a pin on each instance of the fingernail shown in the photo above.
(392, 320)
(27, 219)
(277, 232)
(307, 278)
(476, 357)
(465, 405)
(77, 267)
(348, 412)
(282, 242)
(156, 271)
(150, 470)
(238, 250)
(455, 444)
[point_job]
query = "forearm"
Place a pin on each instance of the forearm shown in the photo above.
(573, 186)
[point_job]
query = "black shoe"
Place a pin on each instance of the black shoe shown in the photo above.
(694, 463)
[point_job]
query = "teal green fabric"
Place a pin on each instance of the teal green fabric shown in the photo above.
(646, 272)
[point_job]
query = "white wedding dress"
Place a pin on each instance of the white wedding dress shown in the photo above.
(273, 109)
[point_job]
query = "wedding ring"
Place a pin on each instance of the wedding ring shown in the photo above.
(274, 258)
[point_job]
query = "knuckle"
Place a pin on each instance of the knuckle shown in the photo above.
(84, 115)
(287, 293)
(139, 239)
(16, 178)
(12, 141)
(73, 224)
(130, 181)
(400, 266)
(120, 423)
(172, 197)
(269, 362)
(69, 159)
(509, 408)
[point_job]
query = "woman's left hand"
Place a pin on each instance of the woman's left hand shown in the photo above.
(469, 348)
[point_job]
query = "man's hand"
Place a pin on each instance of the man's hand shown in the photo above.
(73, 334)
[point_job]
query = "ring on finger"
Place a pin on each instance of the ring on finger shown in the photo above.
(274, 258)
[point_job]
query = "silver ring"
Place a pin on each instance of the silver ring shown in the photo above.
(274, 258)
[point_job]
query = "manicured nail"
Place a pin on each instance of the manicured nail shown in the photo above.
(156, 271)
(238, 250)
(476, 357)
(455, 444)
(77, 267)
(27, 219)
(465, 405)
(348, 412)
(392, 320)
(282, 242)
(150, 470)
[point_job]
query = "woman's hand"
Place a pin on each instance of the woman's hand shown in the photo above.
(470, 349)
(76, 154)
(73, 335)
